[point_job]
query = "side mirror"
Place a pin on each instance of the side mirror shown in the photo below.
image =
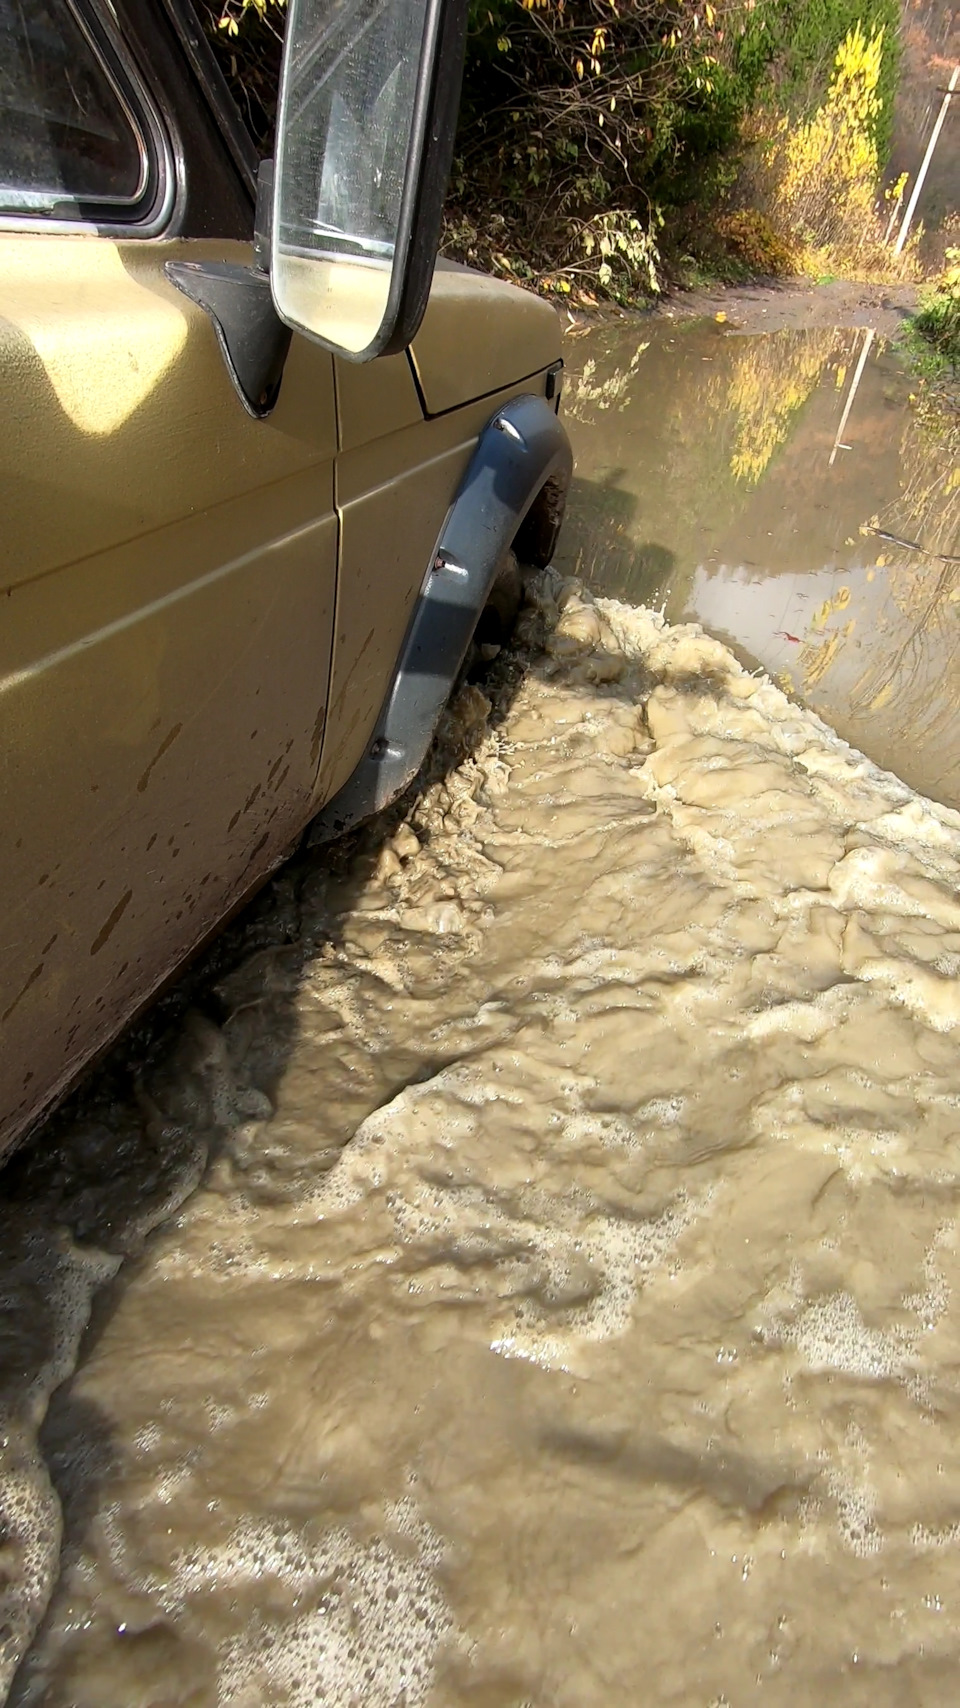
(369, 94)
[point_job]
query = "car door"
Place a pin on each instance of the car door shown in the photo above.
(168, 566)
(396, 477)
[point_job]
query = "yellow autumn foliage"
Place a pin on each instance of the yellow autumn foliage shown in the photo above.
(828, 166)
(234, 11)
(817, 180)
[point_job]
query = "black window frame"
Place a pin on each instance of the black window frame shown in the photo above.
(150, 213)
(224, 109)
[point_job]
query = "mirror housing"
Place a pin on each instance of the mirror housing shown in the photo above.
(369, 96)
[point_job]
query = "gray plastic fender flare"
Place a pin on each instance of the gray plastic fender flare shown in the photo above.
(522, 453)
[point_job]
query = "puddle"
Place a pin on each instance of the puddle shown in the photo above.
(570, 1296)
(730, 478)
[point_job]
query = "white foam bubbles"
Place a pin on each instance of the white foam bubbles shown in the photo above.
(366, 1616)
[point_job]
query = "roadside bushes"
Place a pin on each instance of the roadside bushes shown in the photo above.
(606, 144)
(603, 141)
(574, 114)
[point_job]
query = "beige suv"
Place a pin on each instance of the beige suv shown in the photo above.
(262, 464)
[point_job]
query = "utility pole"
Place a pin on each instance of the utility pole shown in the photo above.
(931, 145)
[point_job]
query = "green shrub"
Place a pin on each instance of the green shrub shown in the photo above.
(938, 321)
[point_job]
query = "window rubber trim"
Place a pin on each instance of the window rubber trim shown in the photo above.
(148, 214)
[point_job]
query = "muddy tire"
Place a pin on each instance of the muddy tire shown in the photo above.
(500, 613)
(496, 622)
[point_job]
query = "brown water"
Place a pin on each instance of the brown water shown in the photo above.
(541, 1242)
(717, 477)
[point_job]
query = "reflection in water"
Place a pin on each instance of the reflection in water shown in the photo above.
(771, 380)
(570, 1300)
(738, 480)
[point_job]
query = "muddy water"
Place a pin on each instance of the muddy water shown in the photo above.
(567, 1315)
(738, 480)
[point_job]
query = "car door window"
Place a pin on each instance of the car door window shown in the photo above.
(69, 134)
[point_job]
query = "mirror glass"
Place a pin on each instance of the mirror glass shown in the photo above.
(347, 141)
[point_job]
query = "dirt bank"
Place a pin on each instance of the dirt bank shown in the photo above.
(786, 303)
(795, 303)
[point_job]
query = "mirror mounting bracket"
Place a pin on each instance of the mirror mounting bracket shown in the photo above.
(253, 339)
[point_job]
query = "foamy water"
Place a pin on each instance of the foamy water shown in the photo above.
(567, 1315)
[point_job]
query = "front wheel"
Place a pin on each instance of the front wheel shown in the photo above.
(497, 620)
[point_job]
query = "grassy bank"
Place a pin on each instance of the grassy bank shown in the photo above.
(935, 330)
